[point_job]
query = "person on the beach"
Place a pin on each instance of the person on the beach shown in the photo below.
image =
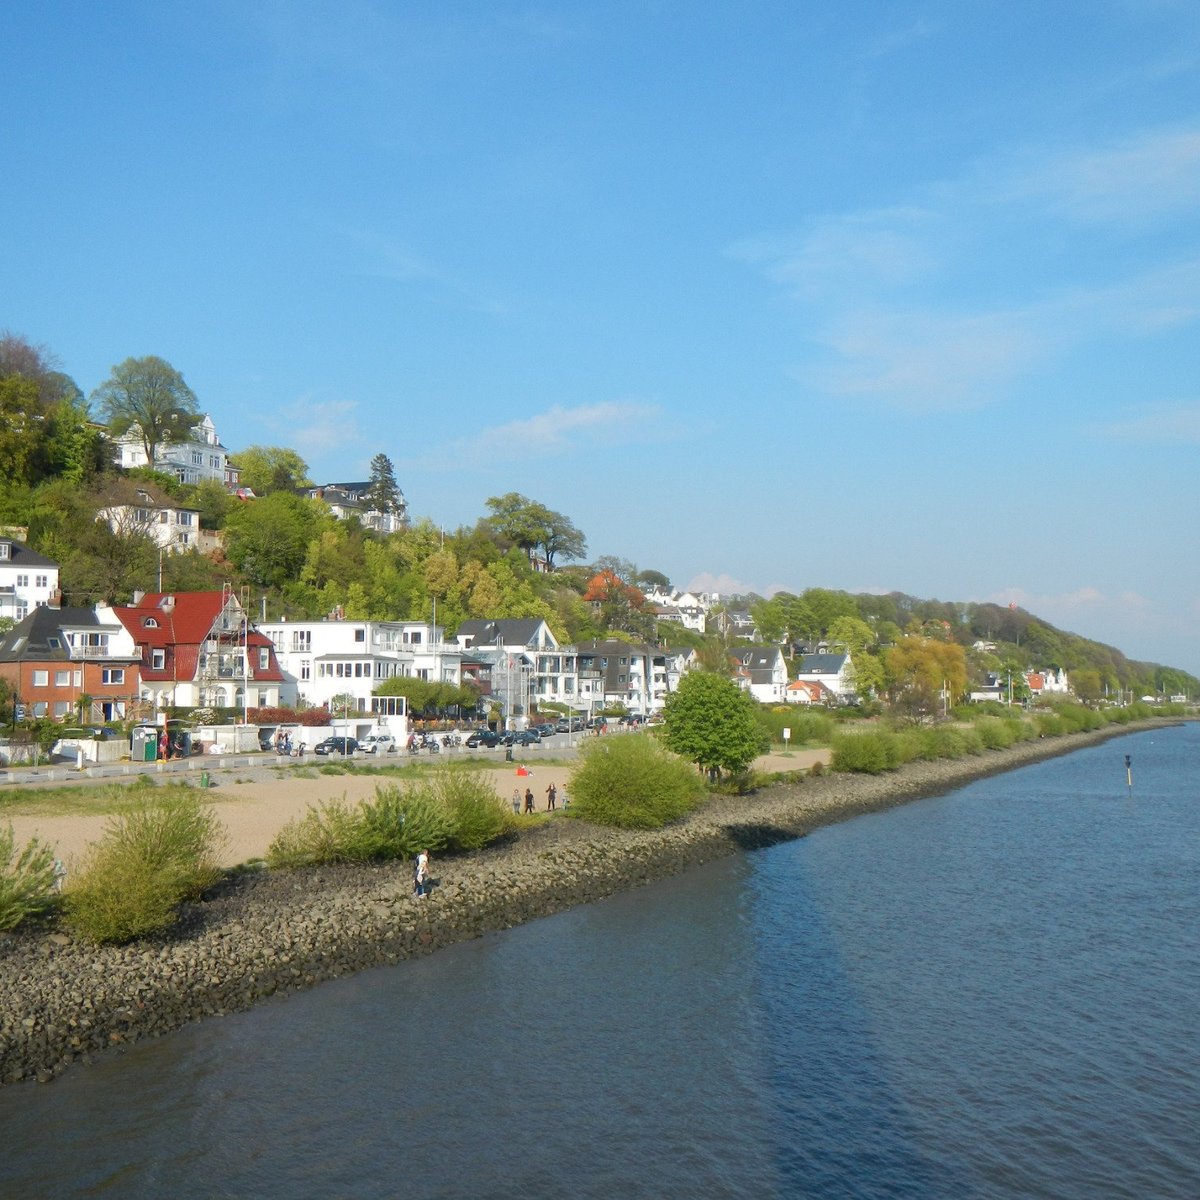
(421, 875)
(565, 798)
(551, 793)
(529, 800)
(516, 802)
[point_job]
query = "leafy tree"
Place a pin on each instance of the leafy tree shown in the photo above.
(383, 495)
(653, 579)
(561, 537)
(149, 395)
(919, 669)
(268, 540)
(710, 721)
(267, 469)
(857, 636)
(20, 428)
(518, 520)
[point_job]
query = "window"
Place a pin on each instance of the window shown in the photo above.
(41, 679)
(305, 669)
(40, 708)
(163, 516)
(197, 458)
(5, 551)
(185, 518)
(22, 581)
(112, 675)
(42, 581)
(54, 643)
(360, 635)
(61, 708)
(62, 678)
(264, 658)
(415, 639)
(158, 660)
(150, 623)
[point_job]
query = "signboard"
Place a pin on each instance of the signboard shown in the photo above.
(787, 733)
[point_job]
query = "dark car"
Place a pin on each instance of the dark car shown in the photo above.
(545, 731)
(521, 737)
(483, 737)
(336, 745)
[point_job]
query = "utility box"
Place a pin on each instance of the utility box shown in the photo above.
(143, 743)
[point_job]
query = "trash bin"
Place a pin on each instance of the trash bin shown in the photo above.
(204, 779)
(508, 754)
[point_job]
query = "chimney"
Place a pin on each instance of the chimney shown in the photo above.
(138, 596)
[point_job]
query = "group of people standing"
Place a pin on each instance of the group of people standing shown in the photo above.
(552, 794)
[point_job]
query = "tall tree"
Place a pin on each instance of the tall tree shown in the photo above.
(267, 469)
(149, 395)
(383, 495)
(710, 721)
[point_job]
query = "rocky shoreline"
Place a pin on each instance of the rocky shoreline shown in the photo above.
(265, 933)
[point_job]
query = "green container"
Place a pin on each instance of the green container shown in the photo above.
(204, 779)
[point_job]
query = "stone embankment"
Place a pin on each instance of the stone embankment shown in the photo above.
(265, 933)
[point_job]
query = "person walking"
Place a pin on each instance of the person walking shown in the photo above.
(421, 875)
(529, 800)
(516, 802)
(551, 793)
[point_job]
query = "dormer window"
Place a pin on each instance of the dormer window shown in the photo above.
(150, 623)
(5, 551)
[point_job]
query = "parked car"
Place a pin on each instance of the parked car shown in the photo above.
(378, 743)
(483, 737)
(545, 731)
(522, 737)
(336, 745)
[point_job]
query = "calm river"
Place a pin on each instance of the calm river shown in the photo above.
(995, 993)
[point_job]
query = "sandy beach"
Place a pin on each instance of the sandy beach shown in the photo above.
(253, 810)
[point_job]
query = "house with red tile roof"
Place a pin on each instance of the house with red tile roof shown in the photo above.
(199, 649)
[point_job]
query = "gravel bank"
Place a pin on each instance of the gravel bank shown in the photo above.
(265, 933)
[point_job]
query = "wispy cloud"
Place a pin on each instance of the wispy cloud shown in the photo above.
(551, 434)
(319, 427)
(385, 256)
(914, 306)
(1142, 178)
(723, 585)
(1169, 424)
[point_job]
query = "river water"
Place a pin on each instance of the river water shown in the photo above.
(994, 993)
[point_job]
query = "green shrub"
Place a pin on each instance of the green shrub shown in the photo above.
(869, 753)
(152, 858)
(400, 822)
(326, 833)
(26, 879)
(633, 783)
(477, 815)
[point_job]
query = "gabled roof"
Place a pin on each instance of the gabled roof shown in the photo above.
(822, 664)
(511, 631)
(31, 638)
(20, 555)
(815, 690)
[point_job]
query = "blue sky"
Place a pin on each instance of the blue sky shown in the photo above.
(763, 295)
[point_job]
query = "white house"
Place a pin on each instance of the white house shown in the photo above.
(327, 659)
(347, 500)
(147, 510)
(833, 670)
(764, 672)
(198, 457)
(615, 672)
(519, 662)
(28, 580)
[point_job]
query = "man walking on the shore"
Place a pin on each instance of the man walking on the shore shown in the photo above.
(551, 793)
(529, 800)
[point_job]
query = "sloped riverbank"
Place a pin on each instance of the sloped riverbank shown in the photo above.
(261, 934)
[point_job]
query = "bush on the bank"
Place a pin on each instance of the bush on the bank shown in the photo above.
(401, 822)
(150, 860)
(328, 832)
(949, 741)
(477, 815)
(26, 879)
(869, 753)
(996, 733)
(808, 728)
(633, 783)
(453, 809)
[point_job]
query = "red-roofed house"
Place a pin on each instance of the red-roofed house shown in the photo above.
(804, 691)
(198, 649)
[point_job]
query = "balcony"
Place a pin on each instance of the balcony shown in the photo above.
(78, 652)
